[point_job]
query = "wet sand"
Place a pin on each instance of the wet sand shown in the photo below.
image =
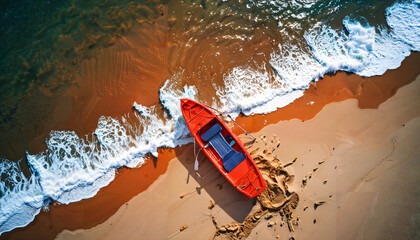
(354, 171)
(369, 92)
(91, 212)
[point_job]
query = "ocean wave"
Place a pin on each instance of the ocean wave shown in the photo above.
(253, 91)
(74, 168)
(21, 198)
(404, 20)
(358, 48)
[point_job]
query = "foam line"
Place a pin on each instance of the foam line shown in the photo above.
(74, 168)
(358, 48)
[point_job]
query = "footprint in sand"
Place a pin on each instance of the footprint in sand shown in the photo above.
(275, 199)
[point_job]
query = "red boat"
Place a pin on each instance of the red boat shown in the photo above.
(223, 148)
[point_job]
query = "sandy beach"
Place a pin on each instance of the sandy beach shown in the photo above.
(354, 181)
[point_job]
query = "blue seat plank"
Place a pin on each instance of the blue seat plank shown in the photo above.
(220, 144)
(230, 157)
(233, 161)
(211, 132)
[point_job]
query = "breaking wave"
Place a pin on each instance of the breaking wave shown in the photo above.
(74, 168)
(358, 48)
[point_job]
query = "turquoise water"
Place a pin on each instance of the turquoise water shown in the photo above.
(263, 54)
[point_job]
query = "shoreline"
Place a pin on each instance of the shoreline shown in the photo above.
(333, 88)
(370, 92)
(93, 211)
(360, 168)
(345, 162)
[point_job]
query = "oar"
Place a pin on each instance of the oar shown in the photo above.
(247, 133)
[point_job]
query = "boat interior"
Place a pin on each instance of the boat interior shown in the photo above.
(222, 145)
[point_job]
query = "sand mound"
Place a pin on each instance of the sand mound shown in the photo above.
(275, 199)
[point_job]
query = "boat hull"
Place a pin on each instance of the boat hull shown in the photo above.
(246, 176)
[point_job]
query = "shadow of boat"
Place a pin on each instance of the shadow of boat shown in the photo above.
(228, 198)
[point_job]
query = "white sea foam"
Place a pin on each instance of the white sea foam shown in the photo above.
(21, 199)
(404, 20)
(254, 91)
(296, 67)
(365, 50)
(246, 88)
(65, 165)
(359, 48)
(332, 49)
(362, 50)
(170, 99)
(74, 168)
(258, 91)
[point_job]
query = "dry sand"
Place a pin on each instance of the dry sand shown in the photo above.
(362, 163)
